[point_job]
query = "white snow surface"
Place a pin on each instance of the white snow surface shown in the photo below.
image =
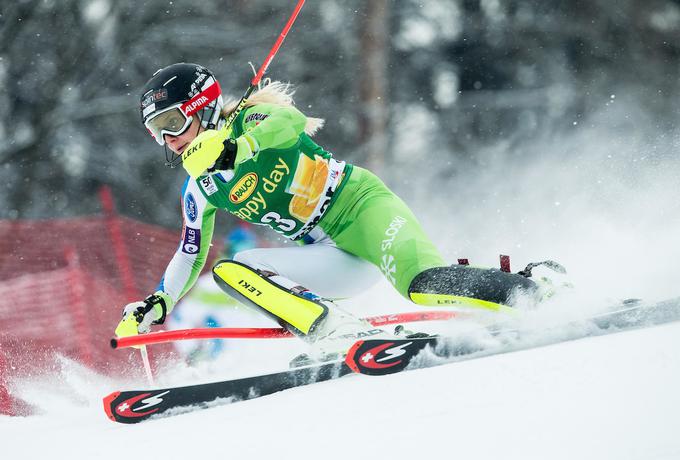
(607, 397)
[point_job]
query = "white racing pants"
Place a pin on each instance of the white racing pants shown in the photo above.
(320, 267)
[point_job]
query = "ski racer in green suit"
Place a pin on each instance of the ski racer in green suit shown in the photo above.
(266, 169)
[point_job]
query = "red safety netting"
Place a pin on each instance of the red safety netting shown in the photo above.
(63, 284)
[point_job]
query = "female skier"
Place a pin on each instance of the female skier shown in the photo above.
(267, 170)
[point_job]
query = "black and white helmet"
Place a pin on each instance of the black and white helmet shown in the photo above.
(177, 93)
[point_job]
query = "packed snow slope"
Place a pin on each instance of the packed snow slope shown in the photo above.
(604, 397)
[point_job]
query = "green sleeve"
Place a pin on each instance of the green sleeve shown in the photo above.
(273, 126)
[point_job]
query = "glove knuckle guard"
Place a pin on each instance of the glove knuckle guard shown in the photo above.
(203, 151)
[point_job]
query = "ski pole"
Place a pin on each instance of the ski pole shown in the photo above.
(128, 328)
(147, 365)
(265, 65)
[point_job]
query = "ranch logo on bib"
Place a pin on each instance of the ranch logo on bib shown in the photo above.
(243, 188)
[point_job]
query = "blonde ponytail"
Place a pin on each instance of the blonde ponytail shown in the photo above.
(277, 93)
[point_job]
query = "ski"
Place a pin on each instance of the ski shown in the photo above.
(389, 356)
(138, 405)
(371, 357)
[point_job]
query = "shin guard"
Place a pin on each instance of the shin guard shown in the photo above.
(297, 313)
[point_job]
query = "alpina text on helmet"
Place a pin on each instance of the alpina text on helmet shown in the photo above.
(193, 106)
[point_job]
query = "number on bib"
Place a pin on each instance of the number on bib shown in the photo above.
(279, 224)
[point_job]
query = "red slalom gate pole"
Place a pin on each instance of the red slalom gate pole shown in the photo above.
(120, 251)
(78, 307)
(201, 333)
(270, 333)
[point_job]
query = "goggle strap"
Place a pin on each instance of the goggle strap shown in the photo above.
(202, 99)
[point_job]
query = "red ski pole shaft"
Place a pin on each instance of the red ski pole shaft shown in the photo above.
(269, 333)
(279, 41)
(265, 65)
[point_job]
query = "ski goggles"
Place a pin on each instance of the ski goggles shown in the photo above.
(170, 120)
(176, 119)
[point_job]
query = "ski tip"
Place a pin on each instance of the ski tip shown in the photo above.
(114, 343)
(386, 356)
(108, 404)
(349, 358)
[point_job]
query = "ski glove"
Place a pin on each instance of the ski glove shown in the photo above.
(139, 316)
(214, 149)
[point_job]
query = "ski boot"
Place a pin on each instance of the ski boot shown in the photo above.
(547, 288)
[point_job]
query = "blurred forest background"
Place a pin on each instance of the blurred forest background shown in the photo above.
(426, 84)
